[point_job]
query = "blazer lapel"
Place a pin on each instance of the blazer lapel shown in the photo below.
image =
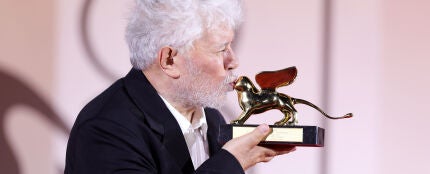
(214, 120)
(159, 118)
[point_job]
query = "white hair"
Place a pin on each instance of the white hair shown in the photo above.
(154, 24)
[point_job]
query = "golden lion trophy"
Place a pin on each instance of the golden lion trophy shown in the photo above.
(254, 101)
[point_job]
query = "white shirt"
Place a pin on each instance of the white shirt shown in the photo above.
(195, 134)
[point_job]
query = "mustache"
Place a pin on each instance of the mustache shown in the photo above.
(230, 78)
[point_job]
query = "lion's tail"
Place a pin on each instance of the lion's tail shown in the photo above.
(301, 101)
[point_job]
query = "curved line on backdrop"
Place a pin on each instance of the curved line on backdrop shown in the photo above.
(88, 48)
(16, 92)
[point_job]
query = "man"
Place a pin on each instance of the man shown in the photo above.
(159, 118)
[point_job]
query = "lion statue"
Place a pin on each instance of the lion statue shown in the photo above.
(254, 101)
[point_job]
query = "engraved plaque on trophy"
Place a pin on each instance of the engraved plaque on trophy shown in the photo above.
(255, 101)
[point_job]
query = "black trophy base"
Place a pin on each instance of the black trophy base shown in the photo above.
(312, 136)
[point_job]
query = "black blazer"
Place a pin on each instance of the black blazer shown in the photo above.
(128, 129)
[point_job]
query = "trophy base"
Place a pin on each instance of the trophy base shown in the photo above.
(312, 136)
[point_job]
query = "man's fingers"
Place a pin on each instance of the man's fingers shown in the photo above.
(267, 159)
(280, 149)
(262, 154)
(281, 152)
(267, 152)
(248, 152)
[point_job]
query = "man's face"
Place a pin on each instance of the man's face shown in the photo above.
(207, 70)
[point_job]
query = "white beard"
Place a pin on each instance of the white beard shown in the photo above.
(197, 89)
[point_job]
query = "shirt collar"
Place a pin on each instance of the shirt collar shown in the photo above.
(184, 124)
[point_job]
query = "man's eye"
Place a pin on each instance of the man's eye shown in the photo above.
(224, 50)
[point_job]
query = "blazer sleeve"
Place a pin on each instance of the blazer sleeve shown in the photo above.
(103, 146)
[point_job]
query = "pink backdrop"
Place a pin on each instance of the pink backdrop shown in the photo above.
(369, 57)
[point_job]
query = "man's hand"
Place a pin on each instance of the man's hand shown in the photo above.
(247, 152)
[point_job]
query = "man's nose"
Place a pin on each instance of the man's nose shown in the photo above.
(231, 61)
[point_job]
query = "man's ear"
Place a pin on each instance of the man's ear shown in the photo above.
(166, 58)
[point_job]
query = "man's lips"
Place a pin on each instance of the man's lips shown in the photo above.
(233, 83)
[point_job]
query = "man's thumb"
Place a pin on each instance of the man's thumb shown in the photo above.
(258, 134)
